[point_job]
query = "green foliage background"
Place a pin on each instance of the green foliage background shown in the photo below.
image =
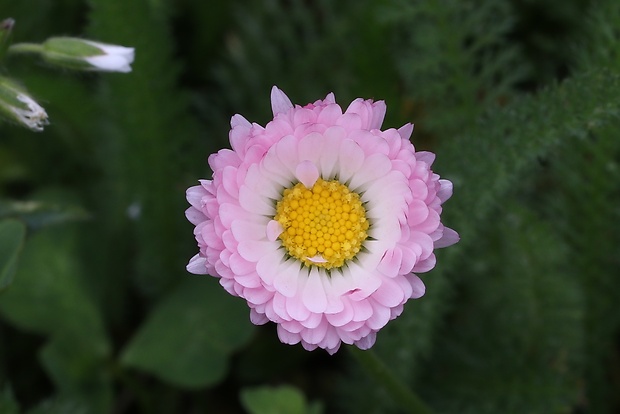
(519, 99)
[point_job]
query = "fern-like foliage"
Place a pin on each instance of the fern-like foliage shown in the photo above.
(141, 149)
(454, 58)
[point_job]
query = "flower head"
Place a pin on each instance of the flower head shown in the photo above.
(82, 54)
(320, 220)
(16, 105)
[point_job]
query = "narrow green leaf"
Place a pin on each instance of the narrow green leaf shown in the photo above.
(189, 336)
(276, 400)
(12, 234)
(38, 214)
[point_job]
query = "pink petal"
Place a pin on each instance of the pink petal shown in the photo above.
(391, 261)
(329, 159)
(449, 238)
(350, 122)
(425, 156)
(247, 230)
(314, 296)
(445, 190)
(379, 109)
(288, 337)
(194, 195)
(380, 316)
(280, 103)
(405, 131)
(239, 120)
(367, 342)
(197, 265)
(296, 308)
(425, 265)
(389, 294)
(362, 310)
(307, 173)
(286, 150)
(330, 114)
(315, 335)
(417, 285)
(194, 216)
(343, 317)
(257, 318)
(313, 320)
(274, 229)
(240, 266)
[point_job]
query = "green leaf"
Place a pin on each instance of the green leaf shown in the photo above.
(7, 402)
(12, 234)
(188, 337)
(277, 400)
(60, 405)
(76, 369)
(48, 297)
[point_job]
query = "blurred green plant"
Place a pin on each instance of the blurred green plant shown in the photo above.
(277, 400)
(518, 98)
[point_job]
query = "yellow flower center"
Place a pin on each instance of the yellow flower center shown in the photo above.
(324, 225)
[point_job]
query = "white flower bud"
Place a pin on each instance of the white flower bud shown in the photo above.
(74, 53)
(16, 105)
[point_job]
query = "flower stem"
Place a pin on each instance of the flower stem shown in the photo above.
(25, 48)
(380, 372)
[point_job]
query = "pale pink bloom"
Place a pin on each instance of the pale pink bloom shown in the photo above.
(246, 233)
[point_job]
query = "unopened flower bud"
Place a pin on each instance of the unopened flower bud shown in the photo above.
(74, 53)
(16, 105)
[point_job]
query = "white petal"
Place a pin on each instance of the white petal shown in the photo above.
(311, 147)
(373, 168)
(287, 276)
(351, 158)
(286, 150)
(247, 230)
(254, 250)
(268, 265)
(317, 259)
(254, 202)
(263, 183)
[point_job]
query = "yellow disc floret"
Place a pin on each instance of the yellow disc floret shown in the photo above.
(323, 226)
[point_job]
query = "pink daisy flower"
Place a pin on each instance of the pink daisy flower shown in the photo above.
(320, 220)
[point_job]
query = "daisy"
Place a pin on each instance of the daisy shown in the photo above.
(320, 220)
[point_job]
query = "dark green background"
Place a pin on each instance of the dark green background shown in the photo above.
(520, 101)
